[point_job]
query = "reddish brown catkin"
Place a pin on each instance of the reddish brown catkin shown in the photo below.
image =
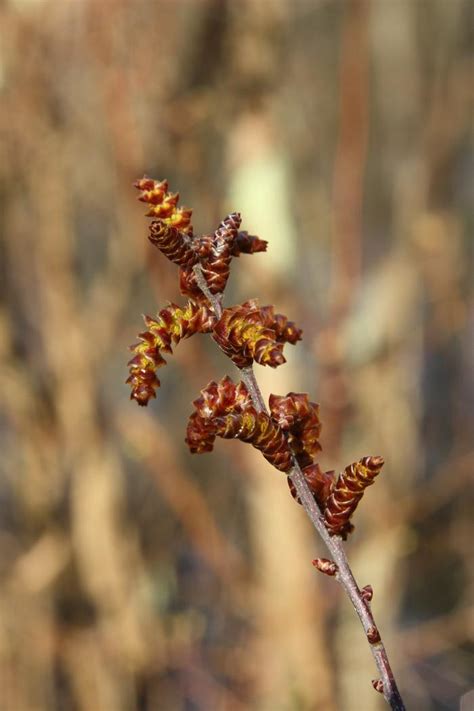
(258, 429)
(218, 399)
(248, 244)
(285, 331)
(244, 336)
(298, 416)
(215, 253)
(163, 205)
(347, 492)
(175, 245)
(215, 400)
(172, 231)
(170, 326)
(225, 410)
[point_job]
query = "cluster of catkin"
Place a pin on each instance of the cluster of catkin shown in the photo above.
(246, 333)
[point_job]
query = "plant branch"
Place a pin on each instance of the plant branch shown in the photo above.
(344, 573)
(214, 299)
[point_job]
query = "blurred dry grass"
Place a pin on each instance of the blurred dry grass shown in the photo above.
(132, 575)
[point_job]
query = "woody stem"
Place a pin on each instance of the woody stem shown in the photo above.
(344, 574)
(214, 299)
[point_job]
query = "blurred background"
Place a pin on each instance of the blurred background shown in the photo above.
(134, 576)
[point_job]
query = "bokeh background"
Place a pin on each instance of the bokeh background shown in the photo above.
(134, 576)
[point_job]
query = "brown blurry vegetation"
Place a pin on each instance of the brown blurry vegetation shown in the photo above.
(133, 576)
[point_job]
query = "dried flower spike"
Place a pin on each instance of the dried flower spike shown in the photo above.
(215, 253)
(258, 429)
(216, 399)
(298, 416)
(171, 326)
(220, 398)
(285, 331)
(225, 410)
(248, 244)
(151, 191)
(163, 205)
(175, 245)
(244, 334)
(347, 492)
(172, 231)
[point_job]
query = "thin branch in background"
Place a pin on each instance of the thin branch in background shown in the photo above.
(182, 496)
(350, 158)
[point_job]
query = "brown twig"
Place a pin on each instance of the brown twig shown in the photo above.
(344, 575)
